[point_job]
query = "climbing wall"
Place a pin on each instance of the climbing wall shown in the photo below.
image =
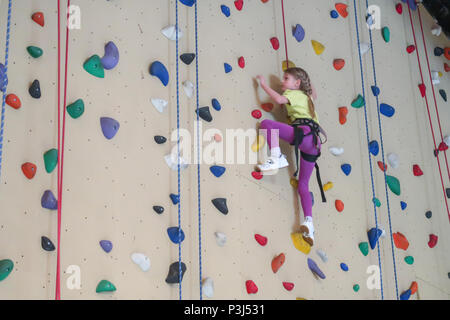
(110, 186)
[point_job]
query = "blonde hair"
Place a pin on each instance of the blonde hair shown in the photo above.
(305, 86)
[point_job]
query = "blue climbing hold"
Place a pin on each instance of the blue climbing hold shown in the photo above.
(48, 201)
(315, 269)
(373, 235)
(109, 127)
(387, 110)
(373, 147)
(158, 70)
(346, 168)
(344, 267)
(215, 104)
(188, 3)
(403, 205)
(106, 245)
(375, 90)
(227, 67)
(334, 14)
(217, 170)
(111, 57)
(175, 198)
(3, 77)
(405, 295)
(412, 4)
(298, 33)
(225, 10)
(175, 235)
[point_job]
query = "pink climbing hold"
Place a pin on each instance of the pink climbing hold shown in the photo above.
(288, 286)
(261, 239)
(239, 4)
(275, 43)
(256, 114)
(251, 287)
(399, 8)
(422, 89)
(433, 240)
(417, 171)
(241, 62)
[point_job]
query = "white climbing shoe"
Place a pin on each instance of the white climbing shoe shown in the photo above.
(307, 228)
(273, 163)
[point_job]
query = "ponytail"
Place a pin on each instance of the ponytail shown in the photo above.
(305, 86)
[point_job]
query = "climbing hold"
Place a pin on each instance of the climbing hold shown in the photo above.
(225, 10)
(393, 160)
(436, 30)
(221, 238)
(370, 20)
(241, 62)
(334, 14)
(277, 262)
(175, 198)
(322, 255)
(343, 111)
(438, 51)
(251, 287)
(275, 43)
(298, 32)
(387, 110)
(158, 209)
(176, 235)
(377, 202)
(435, 77)
(403, 205)
(111, 57)
(158, 70)
(409, 260)
(257, 175)
(356, 287)
(346, 168)
(29, 169)
(256, 114)
(105, 286)
(208, 287)
(342, 9)
(170, 32)
(286, 65)
(410, 48)
(373, 235)
(399, 8)
(227, 67)
(220, 204)
(261, 239)
(413, 287)
(76, 109)
(174, 273)
(35, 52)
(393, 184)
(50, 160)
(382, 166)
(344, 267)
(446, 67)
(13, 101)
(428, 214)
(433, 240)
(141, 260)
(48, 201)
(94, 66)
(443, 94)
(405, 295)
(35, 89)
(300, 243)
(109, 127)
(188, 87)
(239, 4)
(6, 266)
(106, 245)
(187, 58)
(364, 247)
(216, 105)
(38, 17)
(339, 205)
(336, 151)
(373, 147)
(400, 241)
(386, 34)
(417, 171)
(172, 161)
(358, 102)
(47, 244)
(160, 139)
(188, 3)
(442, 146)
(327, 186)
(447, 53)
(318, 47)
(364, 48)
(338, 64)
(315, 269)
(288, 286)
(422, 89)
(259, 143)
(217, 170)
(204, 113)
(375, 90)
(159, 104)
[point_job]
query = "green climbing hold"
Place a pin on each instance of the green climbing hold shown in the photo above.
(94, 66)
(358, 102)
(50, 160)
(409, 260)
(377, 202)
(386, 34)
(364, 247)
(6, 266)
(393, 184)
(105, 286)
(356, 287)
(76, 109)
(35, 52)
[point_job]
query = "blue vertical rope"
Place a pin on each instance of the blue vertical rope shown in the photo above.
(367, 136)
(5, 84)
(382, 154)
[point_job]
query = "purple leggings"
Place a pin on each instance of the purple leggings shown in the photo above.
(286, 132)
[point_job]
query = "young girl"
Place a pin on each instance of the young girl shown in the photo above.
(303, 133)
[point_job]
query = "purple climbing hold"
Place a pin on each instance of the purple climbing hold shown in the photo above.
(109, 127)
(298, 33)
(106, 245)
(111, 57)
(48, 201)
(315, 269)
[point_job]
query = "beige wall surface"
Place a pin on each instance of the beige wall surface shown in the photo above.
(110, 186)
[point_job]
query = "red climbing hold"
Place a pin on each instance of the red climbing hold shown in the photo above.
(239, 4)
(413, 287)
(13, 101)
(267, 107)
(442, 146)
(433, 240)
(411, 48)
(29, 170)
(399, 8)
(38, 17)
(277, 262)
(256, 114)
(261, 239)
(400, 241)
(446, 67)
(343, 111)
(251, 287)
(241, 62)
(338, 64)
(422, 89)
(447, 53)
(417, 171)
(275, 43)
(288, 286)
(264, 1)
(257, 175)
(383, 167)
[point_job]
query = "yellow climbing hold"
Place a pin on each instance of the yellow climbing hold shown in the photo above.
(300, 243)
(318, 47)
(327, 186)
(300, 298)
(289, 64)
(258, 144)
(294, 183)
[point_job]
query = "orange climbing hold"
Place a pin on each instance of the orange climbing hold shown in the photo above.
(400, 241)
(29, 169)
(339, 205)
(277, 262)
(338, 64)
(343, 111)
(264, 1)
(13, 101)
(267, 107)
(342, 9)
(413, 287)
(382, 166)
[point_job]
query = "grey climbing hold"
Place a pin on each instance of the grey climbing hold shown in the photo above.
(174, 273)
(187, 58)
(35, 89)
(220, 204)
(443, 94)
(160, 139)
(158, 209)
(47, 244)
(204, 114)
(322, 255)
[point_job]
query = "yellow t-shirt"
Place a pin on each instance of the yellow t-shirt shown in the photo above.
(298, 105)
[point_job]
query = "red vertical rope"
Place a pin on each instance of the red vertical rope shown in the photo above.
(428, 109)
(285, 40)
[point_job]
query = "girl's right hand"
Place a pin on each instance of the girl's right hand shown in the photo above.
(261, 79)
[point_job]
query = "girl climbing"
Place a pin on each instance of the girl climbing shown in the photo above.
(302, 132)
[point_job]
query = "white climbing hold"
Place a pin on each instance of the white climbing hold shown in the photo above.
(447, 140)
(188, 88)
(208, 287)
(364, 47)
(172, 161)
(221, 238)
(171, 33)
(336, 151)
(159, 104)
(141, 260)
(436, 30)
(435, 77)
(393, 160)
(322, 255)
